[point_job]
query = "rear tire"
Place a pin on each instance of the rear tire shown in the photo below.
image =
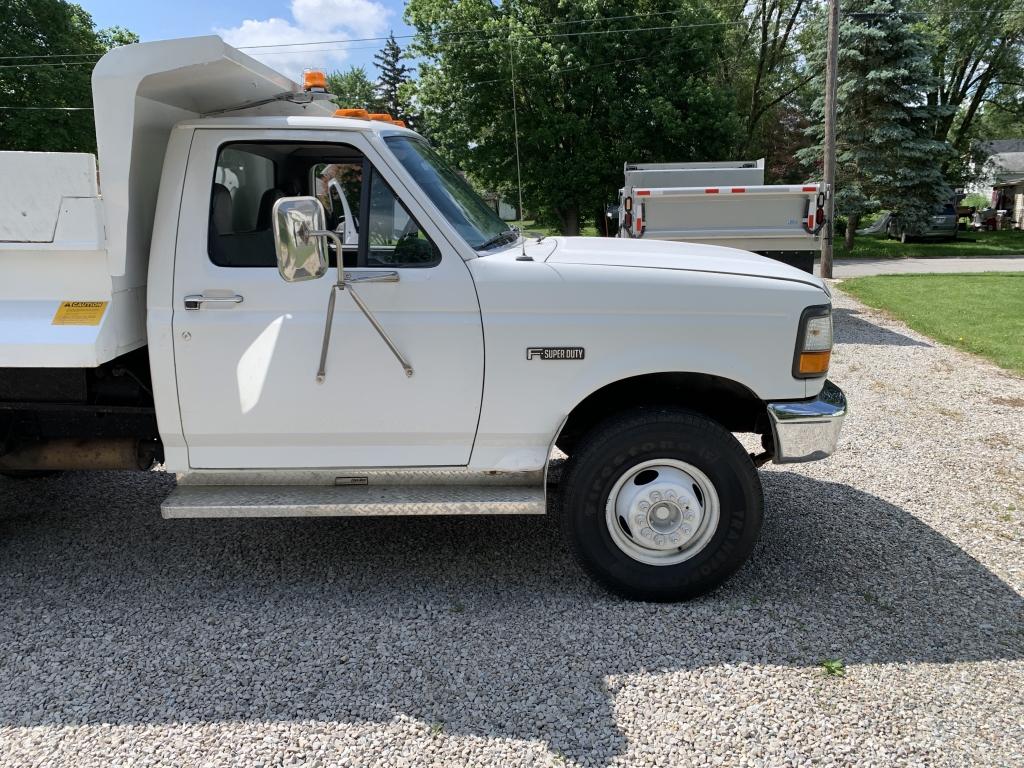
(661, 504)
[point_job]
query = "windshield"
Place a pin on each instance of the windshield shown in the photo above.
(472, 218)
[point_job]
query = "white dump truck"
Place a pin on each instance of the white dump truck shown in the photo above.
(202, 302)
(723, 203)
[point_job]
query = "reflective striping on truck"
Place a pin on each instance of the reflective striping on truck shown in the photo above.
(768, 189)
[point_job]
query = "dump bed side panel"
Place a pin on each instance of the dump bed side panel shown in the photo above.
(59, 305)
(36, 186)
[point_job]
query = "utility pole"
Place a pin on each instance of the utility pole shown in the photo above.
(831, 76)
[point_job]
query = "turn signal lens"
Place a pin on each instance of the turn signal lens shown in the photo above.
(813, 343)
(314, 80)
(814, 363)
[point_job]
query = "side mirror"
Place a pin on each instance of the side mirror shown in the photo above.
(301, 255)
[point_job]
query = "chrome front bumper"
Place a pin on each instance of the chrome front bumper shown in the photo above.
(807, 430)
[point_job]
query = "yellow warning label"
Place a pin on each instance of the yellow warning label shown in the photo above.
(79, 313)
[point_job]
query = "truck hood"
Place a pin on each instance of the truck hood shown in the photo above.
(664, 254)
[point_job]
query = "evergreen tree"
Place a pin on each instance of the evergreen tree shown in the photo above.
(391, 92)
(887, 156)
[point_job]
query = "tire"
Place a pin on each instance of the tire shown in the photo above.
(715, 521)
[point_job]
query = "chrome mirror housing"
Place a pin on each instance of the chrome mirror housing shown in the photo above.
(301, 253)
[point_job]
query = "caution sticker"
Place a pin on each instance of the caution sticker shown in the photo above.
(79, 313)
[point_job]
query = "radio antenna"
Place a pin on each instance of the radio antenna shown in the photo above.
(515, 136)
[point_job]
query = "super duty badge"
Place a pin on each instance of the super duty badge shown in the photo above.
(554, 353)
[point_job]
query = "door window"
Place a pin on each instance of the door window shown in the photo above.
(250, 177)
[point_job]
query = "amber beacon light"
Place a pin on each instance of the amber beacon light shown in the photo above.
(314, 80)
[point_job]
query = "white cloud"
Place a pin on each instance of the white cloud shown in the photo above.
(311, 21)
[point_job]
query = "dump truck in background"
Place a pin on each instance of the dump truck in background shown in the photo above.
(722, 203)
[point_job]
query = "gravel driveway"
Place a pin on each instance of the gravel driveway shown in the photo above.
(125, 639)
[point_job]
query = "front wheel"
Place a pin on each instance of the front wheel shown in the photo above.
(661, 505)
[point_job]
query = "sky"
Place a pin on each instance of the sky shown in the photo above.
(263, 22)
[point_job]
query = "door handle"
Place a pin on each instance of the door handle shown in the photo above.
(196, 300)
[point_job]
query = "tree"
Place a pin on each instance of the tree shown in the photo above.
(765, 70)
(394, 76)
(66, 44)
(887, 156)
(977, 55)
(592, 91)
(352, 89)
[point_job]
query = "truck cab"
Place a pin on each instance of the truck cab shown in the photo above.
(300, 313)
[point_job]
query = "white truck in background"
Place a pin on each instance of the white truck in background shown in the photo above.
(723, 203)
(204, 303)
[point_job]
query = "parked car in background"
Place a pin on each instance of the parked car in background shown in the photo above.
(943, 225)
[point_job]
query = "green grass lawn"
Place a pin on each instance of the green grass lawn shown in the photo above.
(533, 228)
(981, 313)
(966, 244)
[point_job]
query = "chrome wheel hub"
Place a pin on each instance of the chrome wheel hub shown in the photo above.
(662, 512)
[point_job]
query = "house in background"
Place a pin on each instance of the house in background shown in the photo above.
(1002, 178)
(1009, 196)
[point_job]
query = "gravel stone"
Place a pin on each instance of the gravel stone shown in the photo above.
(127, 639)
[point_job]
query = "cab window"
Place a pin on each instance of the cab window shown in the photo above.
(396, 240)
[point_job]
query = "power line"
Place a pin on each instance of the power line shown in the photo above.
(50, 56)
(297, 47)
(61, 109)
(49, 64)
(491, 38)
(506, 79)
(494, 36)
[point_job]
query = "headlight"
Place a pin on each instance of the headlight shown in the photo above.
(813, 343)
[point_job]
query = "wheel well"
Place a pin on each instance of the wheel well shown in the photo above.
(729, 403)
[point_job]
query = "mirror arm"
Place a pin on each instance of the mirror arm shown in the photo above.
(321, 374)
(341, 284)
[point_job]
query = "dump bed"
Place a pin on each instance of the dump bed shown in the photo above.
(74, 244)
(721, 204)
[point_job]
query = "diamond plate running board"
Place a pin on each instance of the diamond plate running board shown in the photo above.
(340, 501)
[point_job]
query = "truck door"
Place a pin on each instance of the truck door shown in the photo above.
(247, 344)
